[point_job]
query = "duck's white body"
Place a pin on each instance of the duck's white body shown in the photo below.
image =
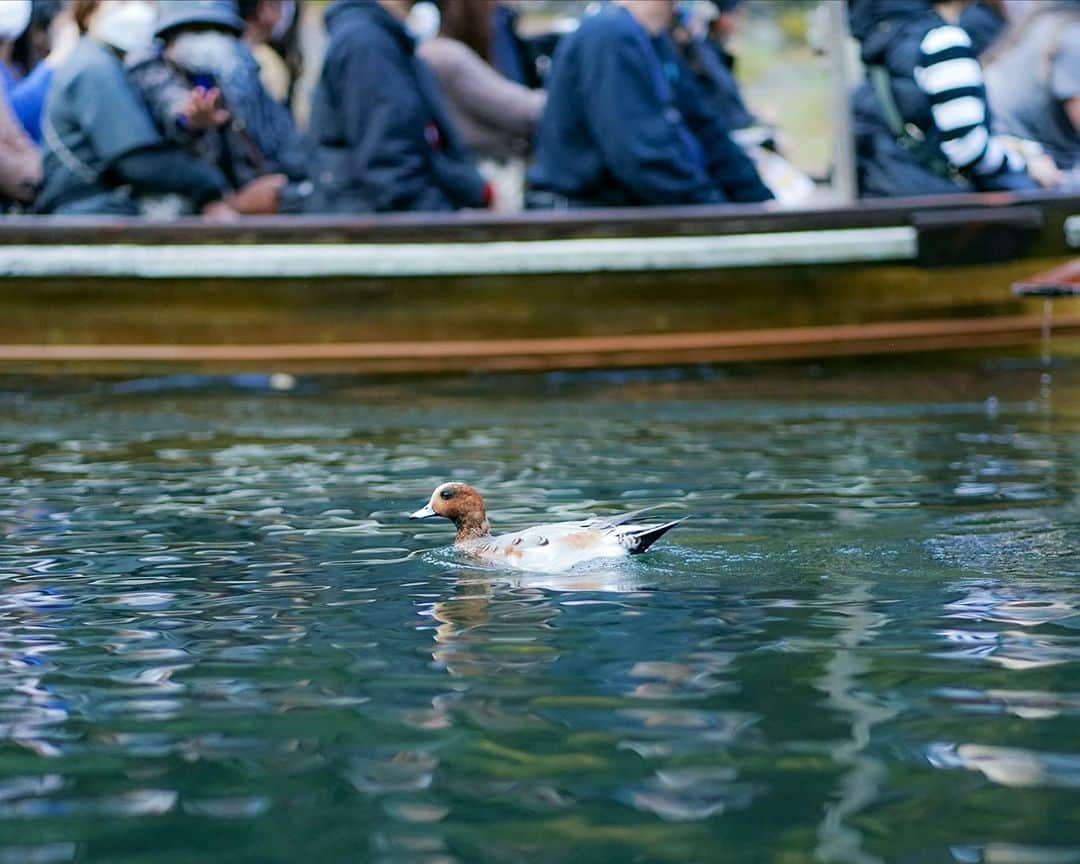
(551, 548)
(560, 545)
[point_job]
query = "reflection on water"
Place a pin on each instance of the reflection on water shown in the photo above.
(221, 639)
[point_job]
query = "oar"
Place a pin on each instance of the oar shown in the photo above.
(1062, 281)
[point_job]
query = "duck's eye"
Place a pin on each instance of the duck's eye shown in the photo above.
(446, 494)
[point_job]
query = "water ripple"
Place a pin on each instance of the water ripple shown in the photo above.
(222, 639)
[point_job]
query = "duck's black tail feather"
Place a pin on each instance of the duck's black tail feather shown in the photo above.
(640, 540)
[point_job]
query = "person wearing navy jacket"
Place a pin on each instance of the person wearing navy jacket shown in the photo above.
(627, 124)
(922, 121)
(384, 135)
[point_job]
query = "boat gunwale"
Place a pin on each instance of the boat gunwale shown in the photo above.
(483, 226)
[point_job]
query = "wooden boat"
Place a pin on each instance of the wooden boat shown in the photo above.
(416, 293)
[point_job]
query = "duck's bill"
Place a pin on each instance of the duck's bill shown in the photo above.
(423, 513)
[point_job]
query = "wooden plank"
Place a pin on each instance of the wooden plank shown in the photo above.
(580, 352)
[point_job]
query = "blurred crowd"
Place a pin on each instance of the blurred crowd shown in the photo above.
(164, 108)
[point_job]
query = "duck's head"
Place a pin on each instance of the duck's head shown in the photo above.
(462, 505)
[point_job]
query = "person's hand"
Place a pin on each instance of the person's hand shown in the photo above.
(219, 211)
(1042, 169)
(260, 197)
(203, 110)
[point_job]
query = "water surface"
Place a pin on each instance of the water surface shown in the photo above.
(221, 639)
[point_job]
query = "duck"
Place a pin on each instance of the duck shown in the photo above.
(549, 548)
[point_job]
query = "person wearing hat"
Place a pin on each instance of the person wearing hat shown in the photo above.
(203, 87)
(103, 154)
(626, 122)
(385, 138)
(922, 121)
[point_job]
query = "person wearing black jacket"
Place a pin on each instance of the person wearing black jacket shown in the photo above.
(627, 124)
(384, 135)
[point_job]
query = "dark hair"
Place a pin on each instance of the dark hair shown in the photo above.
(246, 9)
(82, 10)
(468, 21)
(33, 45)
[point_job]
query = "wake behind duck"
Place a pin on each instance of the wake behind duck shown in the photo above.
(548, 548)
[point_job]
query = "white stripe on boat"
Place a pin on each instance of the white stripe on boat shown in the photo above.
(309, 260)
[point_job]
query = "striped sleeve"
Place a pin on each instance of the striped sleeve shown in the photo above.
(952, 79)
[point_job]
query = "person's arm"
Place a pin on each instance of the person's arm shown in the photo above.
(487, 95)
(952, 80)
(163, 170)
(171, 101)
(452, 164)
(20, 161)
(726, 162)
(638, 133)
(28, 99)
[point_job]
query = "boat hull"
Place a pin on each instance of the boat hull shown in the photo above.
(643, 288)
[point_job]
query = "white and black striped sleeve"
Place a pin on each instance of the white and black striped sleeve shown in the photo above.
(952, 79)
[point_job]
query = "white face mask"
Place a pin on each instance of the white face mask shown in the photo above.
(424, 21)
(127, 25)
(209, 52)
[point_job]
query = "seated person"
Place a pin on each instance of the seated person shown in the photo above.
(705, 51)
(496, 116)
(202, 85)
(626, 123)
(1033, 79)
(102, 151)
(921, 120)
(702, 37)
(385, 137)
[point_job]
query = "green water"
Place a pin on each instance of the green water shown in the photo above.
(222, 640)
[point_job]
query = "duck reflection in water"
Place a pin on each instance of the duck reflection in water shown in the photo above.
(490, 610)
(491, 628)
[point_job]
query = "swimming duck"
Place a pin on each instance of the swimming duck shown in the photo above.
(548, 548)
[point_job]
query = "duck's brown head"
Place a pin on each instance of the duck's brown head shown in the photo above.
(462, 505)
